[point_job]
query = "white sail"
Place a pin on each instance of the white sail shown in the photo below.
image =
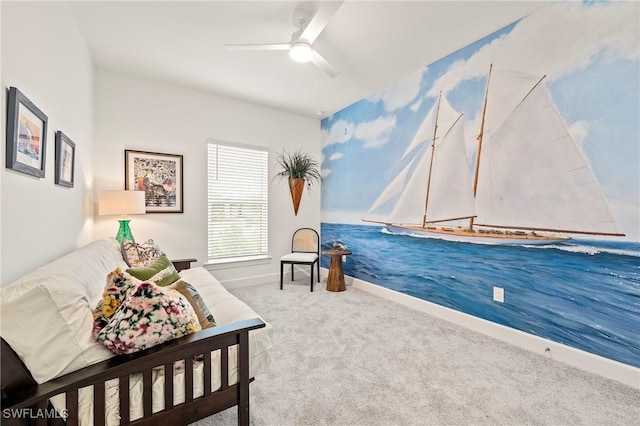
(506, 90)
(392, 190)
(450, 194)
(533, 176)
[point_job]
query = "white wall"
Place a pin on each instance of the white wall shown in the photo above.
(138, 114)
(44, 55)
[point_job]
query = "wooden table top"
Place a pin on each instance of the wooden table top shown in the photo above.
(335, 252)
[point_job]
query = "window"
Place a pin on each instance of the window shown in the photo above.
(237, 202)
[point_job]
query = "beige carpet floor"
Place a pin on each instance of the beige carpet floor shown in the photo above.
(353, 358)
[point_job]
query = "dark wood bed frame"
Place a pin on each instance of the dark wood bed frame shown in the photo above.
(26, 402)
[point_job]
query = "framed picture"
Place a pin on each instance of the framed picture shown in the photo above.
(65, 160)
(26, 135)
(159, 176)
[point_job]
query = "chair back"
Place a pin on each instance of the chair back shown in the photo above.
(305, 240)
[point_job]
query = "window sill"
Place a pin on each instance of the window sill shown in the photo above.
(237, 262)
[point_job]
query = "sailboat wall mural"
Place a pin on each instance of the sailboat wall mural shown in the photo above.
(513, 162)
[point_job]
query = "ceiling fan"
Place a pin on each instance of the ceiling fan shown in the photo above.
(301, 45)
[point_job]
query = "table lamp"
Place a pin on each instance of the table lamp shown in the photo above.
(121, 203)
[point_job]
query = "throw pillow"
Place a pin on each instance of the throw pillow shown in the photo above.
(160, 272)
(115, 292)
(149, 316)
(199, 306)
(139, 254)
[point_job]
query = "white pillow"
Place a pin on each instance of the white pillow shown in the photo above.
(46, 316)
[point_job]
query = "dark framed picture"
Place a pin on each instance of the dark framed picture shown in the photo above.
(159, 176)
(65, 160)
(26, 135)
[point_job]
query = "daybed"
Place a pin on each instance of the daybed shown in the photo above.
(54, 371)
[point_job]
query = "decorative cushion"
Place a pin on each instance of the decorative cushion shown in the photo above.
(161, 272)
(299, 257)
(115, 292)
(140, 254)
(191, 294)
(149, 316)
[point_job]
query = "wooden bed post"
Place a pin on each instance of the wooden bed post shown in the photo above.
(243, 379)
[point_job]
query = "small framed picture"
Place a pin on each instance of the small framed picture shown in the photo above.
(159, 176)
(65, 160)
(26, 135)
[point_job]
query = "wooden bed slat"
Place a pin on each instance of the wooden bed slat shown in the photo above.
(224, 368)
(168, 386)
(98, 404)
(72, 407)
(147, 396)
(188, 380)
(207, 373)
(124, 400)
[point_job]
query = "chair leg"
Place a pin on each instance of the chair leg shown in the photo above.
(318, 266)
(312, 278)
(281, 271)
(293, 265)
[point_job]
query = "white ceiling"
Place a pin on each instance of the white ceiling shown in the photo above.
(372, 44)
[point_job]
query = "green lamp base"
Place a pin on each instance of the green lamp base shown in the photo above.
(124, 232)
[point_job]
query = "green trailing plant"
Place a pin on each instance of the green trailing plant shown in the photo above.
(298, 165)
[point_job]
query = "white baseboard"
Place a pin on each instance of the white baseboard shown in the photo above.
(596, 364)
(264, 279)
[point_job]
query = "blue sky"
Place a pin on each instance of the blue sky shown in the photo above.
(590, 55)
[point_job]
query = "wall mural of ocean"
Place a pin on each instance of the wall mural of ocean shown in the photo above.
(516, 142)
(585, 294)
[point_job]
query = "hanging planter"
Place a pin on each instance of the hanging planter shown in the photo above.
(296, 186)
(297, 168)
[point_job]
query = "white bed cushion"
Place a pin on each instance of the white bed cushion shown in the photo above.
(299, 257)
(46, 315)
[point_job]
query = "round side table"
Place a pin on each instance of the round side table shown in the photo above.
(335, 280)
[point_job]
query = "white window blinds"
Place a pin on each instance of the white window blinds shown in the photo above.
(237, 201)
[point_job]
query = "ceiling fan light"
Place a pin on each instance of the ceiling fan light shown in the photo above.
(301, 51)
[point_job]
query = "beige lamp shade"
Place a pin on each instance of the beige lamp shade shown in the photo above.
(120, 203)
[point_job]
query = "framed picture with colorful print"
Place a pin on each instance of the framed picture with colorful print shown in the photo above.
(26, 135)
(65, 160)
(159, 176)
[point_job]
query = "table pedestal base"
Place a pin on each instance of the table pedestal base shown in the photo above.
(335, 280)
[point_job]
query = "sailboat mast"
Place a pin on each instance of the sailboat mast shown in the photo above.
(433, 153)
(484, 111)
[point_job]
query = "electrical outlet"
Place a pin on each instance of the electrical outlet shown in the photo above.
(498, 294)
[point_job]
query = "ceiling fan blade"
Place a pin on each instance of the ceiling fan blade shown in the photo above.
(320, 20)
(323, 64)
(276, 46)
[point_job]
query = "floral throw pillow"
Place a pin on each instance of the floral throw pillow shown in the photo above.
(115, 292)
(150, 315)
(161, 272)
(139, 254)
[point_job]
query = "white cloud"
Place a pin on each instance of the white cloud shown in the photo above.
(399, 95)
(416, 105)
(325, 172)
(340, 132)
(375, 133)
(580, 32)
(579, 132)
(336, 156)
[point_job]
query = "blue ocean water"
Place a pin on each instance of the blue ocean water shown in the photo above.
(582, 293)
